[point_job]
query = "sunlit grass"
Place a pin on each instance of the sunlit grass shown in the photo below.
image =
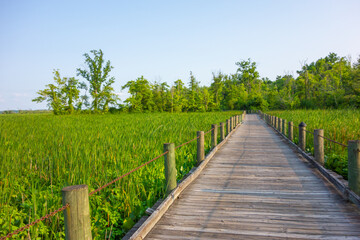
(41, 154)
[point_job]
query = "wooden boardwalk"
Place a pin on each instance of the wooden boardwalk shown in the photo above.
(257, 187)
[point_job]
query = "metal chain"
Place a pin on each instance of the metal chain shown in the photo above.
(35, 222)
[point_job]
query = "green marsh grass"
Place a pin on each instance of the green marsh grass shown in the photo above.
(41, 154)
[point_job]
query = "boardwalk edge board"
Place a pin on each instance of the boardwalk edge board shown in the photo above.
(150, 222)
(341, 186)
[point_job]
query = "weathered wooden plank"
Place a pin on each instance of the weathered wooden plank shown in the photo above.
(257, 187)
(255, 232)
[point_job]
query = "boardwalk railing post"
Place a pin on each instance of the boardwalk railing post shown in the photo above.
(200, 146)
(319, 146)
(273, 121)
(170, 167)
(213, 136)
(77, 215)
(227, 126)
(284, 127)
(354, 165)
(222, 131)
(290, 131)
(276, 123)
(302, 136)
(280, 125)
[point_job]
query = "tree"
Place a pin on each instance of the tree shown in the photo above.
(141, 98)
(97, 75)
(61, 96)
(193, 94)
(160, 95)
(216, 89)
(179, 101)
(247, 74)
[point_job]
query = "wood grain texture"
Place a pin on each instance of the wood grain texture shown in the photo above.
(257, 187)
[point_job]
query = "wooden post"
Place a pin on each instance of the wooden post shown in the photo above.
(290, 131)
(200, 146)
(77, 215)
(170, 167)
(213, 136)
(280, 125)
(284, 127)
(276, 123)
(227, 127)
(222, 131)
(302, 136)
(273, 121)
(319, 146)
(354, 165)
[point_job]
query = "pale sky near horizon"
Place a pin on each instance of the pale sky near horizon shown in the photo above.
(165, 40)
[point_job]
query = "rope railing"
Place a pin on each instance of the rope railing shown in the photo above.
(344, 145)
(126, 174)
(186, 142)
(96, 190)
(309, 131)
(209, 131)
(35, 222)
(331, 140)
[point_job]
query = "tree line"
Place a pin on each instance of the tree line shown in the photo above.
(329, 82)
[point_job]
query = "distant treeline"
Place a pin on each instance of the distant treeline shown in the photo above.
(24, 111)
(330, 82)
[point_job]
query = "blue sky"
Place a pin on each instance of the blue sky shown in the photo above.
(165, 40)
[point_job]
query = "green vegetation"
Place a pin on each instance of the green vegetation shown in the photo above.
(338, 125)
(41, 154)
(330, 82)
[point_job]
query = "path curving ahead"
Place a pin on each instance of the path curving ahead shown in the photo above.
(257, 187)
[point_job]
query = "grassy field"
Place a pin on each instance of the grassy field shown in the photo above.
(41, 154)
(339, 125)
